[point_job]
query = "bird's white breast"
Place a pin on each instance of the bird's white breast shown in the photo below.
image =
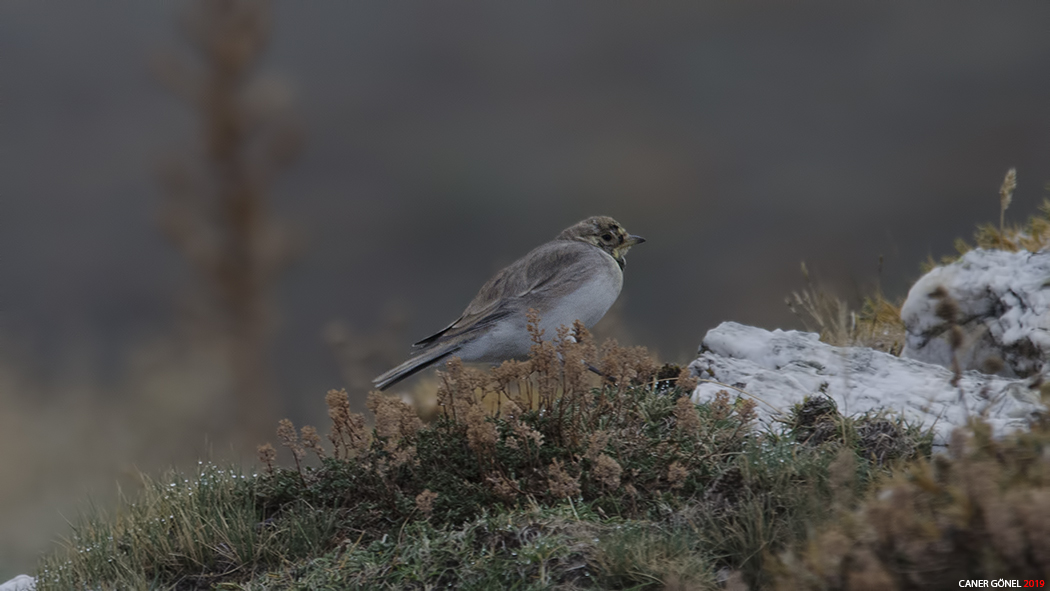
(589, 302)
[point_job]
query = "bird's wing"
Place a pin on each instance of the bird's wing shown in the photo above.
(538, 277)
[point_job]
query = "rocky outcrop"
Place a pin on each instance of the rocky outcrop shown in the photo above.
(780, 368)
(1000, 302)
(19, 583)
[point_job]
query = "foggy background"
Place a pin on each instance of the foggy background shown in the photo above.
(440, 142)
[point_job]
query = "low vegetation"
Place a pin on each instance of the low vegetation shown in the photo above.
(980, 512)
(536, 474)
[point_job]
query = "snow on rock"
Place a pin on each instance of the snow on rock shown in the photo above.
(780, 368)
(1003, 300)
(19, 583)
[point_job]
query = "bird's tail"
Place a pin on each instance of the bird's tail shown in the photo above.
(415, 364)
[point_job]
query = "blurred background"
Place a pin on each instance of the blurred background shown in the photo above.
(211, 214)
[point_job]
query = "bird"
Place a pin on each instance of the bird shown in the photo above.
(576, 276)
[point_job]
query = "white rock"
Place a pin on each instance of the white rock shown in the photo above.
(1003, 305)
(778, 369)
(19, 583)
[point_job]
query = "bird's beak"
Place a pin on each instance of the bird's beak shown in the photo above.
(632, 240)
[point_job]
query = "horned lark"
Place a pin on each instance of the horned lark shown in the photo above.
(576, 276)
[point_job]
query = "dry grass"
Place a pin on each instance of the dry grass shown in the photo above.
(1033, 235)
(877, 325)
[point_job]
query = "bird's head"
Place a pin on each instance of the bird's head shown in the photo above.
(605, 233)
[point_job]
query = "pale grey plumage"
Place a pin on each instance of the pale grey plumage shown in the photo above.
(576, 276)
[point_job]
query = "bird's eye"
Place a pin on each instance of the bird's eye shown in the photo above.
(607, 237)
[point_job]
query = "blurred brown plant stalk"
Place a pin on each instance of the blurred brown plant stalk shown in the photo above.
(216, 210)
